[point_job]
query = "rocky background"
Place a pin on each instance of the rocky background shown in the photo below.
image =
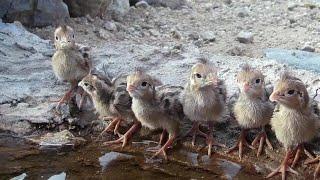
(164, 36)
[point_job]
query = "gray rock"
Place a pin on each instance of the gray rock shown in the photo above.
(36, 13)
(308, 47)
(243, 12)
(208, 36)
(83, 7)
(245, 37)
(119, 7)
(110, 26)
(299, 59)
(292, 5)
(104, 34)
(172, 4)
(142, 4)
(176, 34)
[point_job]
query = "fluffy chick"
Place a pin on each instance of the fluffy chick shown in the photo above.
(110, 99)
(68, 63)
(252, 109)
(156, 107)
(293, 120)
(204, 99)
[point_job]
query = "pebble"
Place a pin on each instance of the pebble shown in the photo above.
(89, 18)
(245, 37)
(243, 12)
(142, 4)
(208, 36)
(103, 34)
(307, 47)
(176, 34)
(110, 26)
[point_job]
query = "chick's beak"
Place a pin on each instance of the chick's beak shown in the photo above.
(130, 88)
(275, 96)
(246, 86)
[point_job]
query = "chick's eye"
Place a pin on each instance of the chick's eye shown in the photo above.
(258, 81)
(198, 75)
(57, 38)
(73, 36)
(144, 84)
(86, 84)
(290, 92)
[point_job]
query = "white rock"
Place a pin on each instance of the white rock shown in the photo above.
(245, 37)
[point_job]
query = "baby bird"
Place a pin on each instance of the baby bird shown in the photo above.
(156, 107)
(68, 63)
(252, 109)
(110, 99)
(203, 100)
(293, 120)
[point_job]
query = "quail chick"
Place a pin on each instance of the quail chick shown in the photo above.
(68, 63)
(156, 107)
(252, 109)
(110, 99)
(293, 120)
(203, 100)
(316, 108)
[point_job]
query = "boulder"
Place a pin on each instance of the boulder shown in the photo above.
(97, 7)
(34, 13)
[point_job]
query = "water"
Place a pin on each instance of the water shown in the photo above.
(93, 161)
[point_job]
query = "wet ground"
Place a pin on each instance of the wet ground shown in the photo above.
(93, 161)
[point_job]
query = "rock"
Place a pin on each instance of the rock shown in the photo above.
(299, 59)
(61, 176)
(292, 5)
(245, 37)
(236, 51)
(106, 159)
(172, 4)
(243, 12)
(20, 177)
(4, 6)
(83, 7)
(208, 36)
(89, 18)
(110, 26)
(58, 139)
(154, 32)
(176, 34)
(36, 13)
(104, 34)
(308, 47)
(142, 4)
(194, 36)
(119, 8)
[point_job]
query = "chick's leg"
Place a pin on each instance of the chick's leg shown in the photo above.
(262, 138)
(124, 139)
(163, 138)
(165, 147)
(210, 140)
(312, 161)
(297, 153)
(194, 131)
(113, 126)
(67, 96)
(241, 143)
(284, 167)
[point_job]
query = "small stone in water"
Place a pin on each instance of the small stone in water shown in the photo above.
(61, 176)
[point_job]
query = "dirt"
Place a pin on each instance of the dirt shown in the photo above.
(167, 43)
